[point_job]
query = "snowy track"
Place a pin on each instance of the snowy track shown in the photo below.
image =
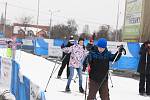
(39, 69)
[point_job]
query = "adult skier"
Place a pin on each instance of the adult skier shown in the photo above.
(144, 69)
(65, 58)
(78, 52)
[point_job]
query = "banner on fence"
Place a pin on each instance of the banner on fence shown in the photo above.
(6, 69)
(34, 91)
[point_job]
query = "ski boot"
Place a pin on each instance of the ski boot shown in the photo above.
(142, 93)
(81, 90)
(67, 89)
(58, 77)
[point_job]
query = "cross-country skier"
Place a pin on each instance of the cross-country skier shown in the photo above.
(90, 46)
(65, 58)
(78, 52)
(144, 69)
(98, 60)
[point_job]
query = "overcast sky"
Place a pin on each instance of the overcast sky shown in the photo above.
(91, 12)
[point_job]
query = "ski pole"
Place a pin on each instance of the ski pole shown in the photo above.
(146, 61)
(113, 63)
(75, 78)
(86, 84)
(51, 75)
(107, 72)
(110, 80)
(59, 64)
(53, 71)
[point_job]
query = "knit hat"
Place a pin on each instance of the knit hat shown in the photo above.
(91, 40)
(102, 43)
(80, 39)
(71, 37)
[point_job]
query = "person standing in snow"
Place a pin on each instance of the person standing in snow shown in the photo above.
(98, 61)
(78, 53)
(65, 58)
(12, 46)
(90, 46)
(144, 68)
(9, 49)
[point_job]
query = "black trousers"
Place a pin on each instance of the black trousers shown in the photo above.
(63, 65)
(144, 78)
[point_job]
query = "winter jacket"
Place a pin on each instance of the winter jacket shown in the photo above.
(99, 64)
(66, 55)
(77, 55)
(142, 66)
(89, 46)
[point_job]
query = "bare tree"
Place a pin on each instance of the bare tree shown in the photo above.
(62, 30)
(86, 29)
(72, 26)
(103, 31)
(25, 20)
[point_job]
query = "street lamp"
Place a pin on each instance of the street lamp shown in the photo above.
(116, 35)
(4, 26)
(50, 21)
(38, 8)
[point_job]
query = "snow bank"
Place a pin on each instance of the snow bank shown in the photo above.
(39, 69)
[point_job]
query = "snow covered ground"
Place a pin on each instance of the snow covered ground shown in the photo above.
(39, 69)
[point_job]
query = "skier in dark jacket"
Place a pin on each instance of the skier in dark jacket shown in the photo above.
(144, 68)
(90, 46)
(98, 60)
(65, 58)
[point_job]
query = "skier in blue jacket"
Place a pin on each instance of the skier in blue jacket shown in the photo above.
(98, 61)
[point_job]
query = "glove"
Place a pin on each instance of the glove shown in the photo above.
(84, 68)
(147, 48)
(62, 46)
(121, 49)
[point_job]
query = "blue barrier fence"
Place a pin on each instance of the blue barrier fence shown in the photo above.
(41, 47)
(21, 89)
(128, 62)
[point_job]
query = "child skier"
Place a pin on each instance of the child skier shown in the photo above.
(98, 60)
(78, 53)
